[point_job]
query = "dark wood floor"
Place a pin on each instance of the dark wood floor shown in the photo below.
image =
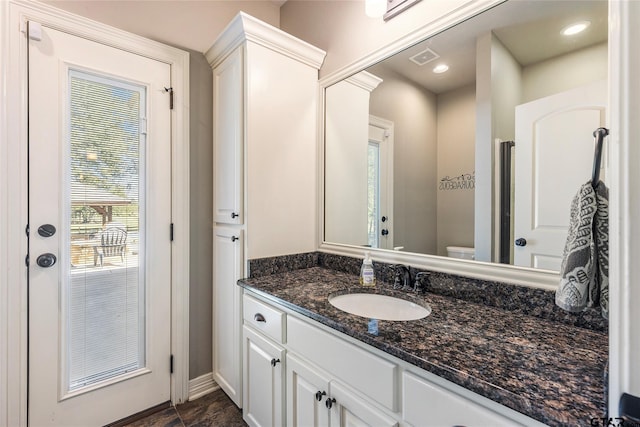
(213, 409)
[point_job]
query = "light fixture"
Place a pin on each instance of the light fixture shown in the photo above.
(375, 8)
(576, 28)
(439, 69)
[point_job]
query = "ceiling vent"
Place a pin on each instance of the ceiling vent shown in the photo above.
(424, 57)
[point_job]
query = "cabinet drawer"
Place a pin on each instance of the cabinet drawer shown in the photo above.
(428, 403)
(263, 317)
(360, 369)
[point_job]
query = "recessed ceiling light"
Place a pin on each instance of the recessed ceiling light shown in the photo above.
(576, 28)
(441, 68)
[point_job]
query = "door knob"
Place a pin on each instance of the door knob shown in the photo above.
(274, 362)
(319, 395)
(46, 260)
(47, 230)
(234, 215)
(521, 242)
(330, 402)
(384, 232)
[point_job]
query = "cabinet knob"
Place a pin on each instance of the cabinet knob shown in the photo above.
(234, 238)
(259, 318)
(274, 362)
(330, 402)
(234, 215)
(319, 395)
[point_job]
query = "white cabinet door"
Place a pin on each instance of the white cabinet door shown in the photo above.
(346, 409)
(227, 269)
(228, 140)
(307, 392)
(425, 403)
(263, 381)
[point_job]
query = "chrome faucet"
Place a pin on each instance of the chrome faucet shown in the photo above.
(402, 277)
(422, 281)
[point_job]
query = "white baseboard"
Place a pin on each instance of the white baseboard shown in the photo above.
(204, 384)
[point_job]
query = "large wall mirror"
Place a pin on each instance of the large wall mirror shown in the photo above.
(473, 142)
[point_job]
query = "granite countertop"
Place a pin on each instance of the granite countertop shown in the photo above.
(549, 371)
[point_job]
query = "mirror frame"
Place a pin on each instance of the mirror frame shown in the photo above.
(530, 277)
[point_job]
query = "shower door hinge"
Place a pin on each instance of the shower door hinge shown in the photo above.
(171, 364)
(171, 232)
(170, 90)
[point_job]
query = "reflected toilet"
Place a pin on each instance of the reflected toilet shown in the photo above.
(461, 252)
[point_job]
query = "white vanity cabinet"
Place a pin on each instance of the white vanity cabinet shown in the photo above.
(334, 380)
(265, 96)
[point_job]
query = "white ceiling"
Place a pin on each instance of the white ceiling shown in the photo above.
(531, 34)
(187, 24)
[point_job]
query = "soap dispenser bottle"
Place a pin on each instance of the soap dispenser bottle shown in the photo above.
(367, 275)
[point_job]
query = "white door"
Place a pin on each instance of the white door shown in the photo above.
(227, 317)
(263, 381)
(99, 162)
(554, 157)
(228, 195)
(307, 390)
(346, 409)
(380, 183)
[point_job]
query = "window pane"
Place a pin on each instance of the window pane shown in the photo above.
(104, 292)
(373, 194)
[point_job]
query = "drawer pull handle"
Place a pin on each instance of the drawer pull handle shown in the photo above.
(319, 395)
(259, 318)
(274, 362)
(330, 402)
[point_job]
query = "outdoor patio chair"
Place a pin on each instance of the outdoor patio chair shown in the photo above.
(113, 242)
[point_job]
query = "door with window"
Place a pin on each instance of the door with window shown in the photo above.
(380, 183)
(99, 243)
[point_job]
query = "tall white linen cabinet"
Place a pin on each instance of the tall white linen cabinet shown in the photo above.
(265, 100)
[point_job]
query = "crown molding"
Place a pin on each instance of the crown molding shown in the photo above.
(365, 80)
(247, 28)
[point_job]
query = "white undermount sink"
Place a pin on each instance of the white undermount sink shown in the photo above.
(381, 307)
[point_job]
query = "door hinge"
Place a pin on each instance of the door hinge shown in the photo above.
(34, 30)
(171, 364)
(170, 90)
(171, 232)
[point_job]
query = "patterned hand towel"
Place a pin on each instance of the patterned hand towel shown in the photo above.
(584, 274)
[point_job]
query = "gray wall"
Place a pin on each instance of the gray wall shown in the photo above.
(413, 112)
(201, 215)
(498, 91)
(456, 156)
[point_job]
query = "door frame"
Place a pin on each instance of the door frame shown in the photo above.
(13, 192)
(387, 183)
